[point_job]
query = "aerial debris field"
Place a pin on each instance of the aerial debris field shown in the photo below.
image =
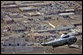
(27, 24)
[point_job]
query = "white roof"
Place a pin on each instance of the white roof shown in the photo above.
(26, 8)
(66, 13)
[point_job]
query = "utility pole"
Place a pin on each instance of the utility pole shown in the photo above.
(31, 35)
